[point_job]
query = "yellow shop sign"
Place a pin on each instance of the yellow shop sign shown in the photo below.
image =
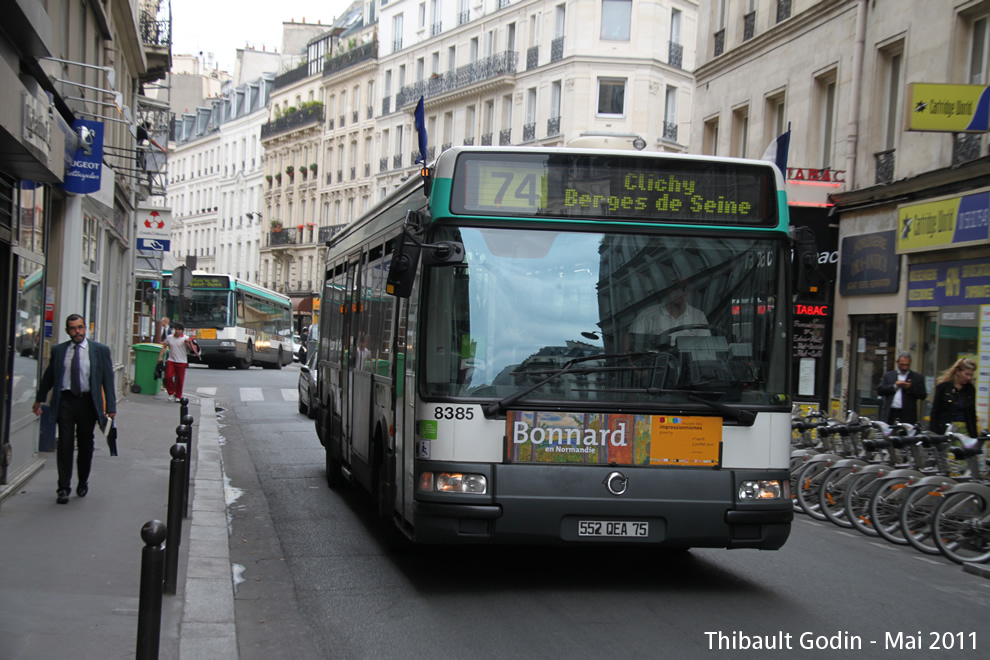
(947, 108)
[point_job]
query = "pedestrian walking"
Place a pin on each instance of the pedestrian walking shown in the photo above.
(901, 390)
(178, 346)
(954, 401)
(163, 329)
(82, 380)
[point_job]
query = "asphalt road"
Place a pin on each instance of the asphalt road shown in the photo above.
(316, 580)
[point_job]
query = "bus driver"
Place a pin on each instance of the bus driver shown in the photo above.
(671, 312)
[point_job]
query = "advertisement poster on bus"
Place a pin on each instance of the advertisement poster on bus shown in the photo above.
(603, 439)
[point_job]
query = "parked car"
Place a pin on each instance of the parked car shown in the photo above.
(296, 345)
(307, 386)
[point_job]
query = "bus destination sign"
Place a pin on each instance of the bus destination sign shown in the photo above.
(614, 187)
(210, 282)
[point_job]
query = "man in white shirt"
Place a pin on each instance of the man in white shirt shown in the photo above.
(673, 311)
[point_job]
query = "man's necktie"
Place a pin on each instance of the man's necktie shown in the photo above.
(75, 374)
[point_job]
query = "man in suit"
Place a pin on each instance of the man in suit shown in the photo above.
(81, 373)
(901, 390)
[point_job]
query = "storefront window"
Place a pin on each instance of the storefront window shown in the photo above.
(873, 354)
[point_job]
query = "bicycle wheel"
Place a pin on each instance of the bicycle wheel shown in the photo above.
(831, 494)
(857, 502)
(961, 528)
(808, 482)
(916, 518)
(885, 509)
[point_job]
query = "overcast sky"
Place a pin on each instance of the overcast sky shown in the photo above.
(222, 26)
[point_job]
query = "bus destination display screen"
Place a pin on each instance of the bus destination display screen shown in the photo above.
(614, 187)
(209, 282)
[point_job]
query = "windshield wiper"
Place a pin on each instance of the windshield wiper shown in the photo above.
(746, 417)
(500, 406)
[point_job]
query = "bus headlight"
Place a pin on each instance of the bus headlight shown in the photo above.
(453, 482)
(764, 490)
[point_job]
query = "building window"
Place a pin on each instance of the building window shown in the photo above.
(740, 132)
(616, 19)
(893, 75)
(670, 115)
(710, 138)
(775, 122)
(978, 60)
(825, 117)
(611, 97)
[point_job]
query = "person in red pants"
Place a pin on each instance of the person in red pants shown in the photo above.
(178, 346)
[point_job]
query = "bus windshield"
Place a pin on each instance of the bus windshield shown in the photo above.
(208, 308)
(635, 319)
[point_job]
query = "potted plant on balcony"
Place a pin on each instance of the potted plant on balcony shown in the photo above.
(278, 177)
(291, 171)
(312, 168)
(268, 178)
(276, 226)
(300, 227)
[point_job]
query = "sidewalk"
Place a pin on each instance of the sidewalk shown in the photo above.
(70, 574)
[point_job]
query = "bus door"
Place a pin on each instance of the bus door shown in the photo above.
(357, 369)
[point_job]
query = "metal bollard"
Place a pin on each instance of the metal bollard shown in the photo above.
(183, 407)
(183, 434)
(176, 473)
(188, 420)
(150, 601)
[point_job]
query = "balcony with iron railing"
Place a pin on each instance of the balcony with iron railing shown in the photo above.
(675, 55)
(436, 28)
(885, 166)
(502, 4)
(486, 140)
(532, 57)
(719, 42)
(281, 237)
(463, 17)
(326, 233)
(301, 118)
(156, 37)
(505, 137)
(557, 49)
(529, 132)
(289, 77)
(469, 141)
(749, 25)
(783, 10)
(553, 126)
(966, 147)
(469, 74)
(670, 131)
(362, 53)
(397, 161)
(383, 164)
(445, 146)
(386, 105)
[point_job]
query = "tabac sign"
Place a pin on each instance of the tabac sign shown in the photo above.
(948, 108)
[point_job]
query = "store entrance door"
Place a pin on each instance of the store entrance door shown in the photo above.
(873, 354)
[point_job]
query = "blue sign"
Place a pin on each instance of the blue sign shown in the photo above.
(949, 283)
(83, 176)
(869, 264)
(158, 245)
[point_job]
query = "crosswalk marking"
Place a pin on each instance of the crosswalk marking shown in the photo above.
(207, 391)
(252, 394)
(290, 394)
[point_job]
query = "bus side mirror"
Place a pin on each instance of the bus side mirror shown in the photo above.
(402, 270)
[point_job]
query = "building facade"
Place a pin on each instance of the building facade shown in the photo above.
(864, 172)
(75, 76)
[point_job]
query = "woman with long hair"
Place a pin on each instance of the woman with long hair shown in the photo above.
(954, 401)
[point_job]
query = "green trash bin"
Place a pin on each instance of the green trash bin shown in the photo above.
(145, 361)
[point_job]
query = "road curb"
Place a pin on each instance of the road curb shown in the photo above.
(977, 569)
(208, 630)
(22, 477)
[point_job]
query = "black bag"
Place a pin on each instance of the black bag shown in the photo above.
(159, 370)
(112, 438)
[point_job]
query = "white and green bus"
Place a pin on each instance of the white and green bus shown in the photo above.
(235, 323)
(533, 345)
